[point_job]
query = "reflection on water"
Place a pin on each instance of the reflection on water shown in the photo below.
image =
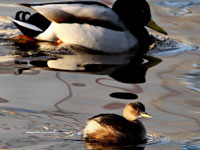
(125, 68)
(123, 95)
(135, 70)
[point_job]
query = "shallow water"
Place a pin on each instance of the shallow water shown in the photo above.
(48, 92)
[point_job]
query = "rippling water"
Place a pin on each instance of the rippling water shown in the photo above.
(48, 91)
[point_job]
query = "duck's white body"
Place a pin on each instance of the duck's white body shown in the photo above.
(89, 36)
(92, 26)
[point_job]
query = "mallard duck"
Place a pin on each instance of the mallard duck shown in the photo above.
(89, 24)
(115, 129)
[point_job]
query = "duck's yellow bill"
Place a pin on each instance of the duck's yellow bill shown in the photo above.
(145, 115)
(156, 27)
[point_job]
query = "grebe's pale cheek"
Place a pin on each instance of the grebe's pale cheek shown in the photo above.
(130, 114)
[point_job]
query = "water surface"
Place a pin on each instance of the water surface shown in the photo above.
(47, 92)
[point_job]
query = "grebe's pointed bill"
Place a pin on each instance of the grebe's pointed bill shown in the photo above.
(156, 27)
(145, 115)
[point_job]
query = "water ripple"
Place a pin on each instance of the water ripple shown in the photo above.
(193, 144)
(192, 78)
(179, 8)
(157, 140)
(178, 4)
(167, 46)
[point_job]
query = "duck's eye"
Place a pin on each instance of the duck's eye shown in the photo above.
(142, 11)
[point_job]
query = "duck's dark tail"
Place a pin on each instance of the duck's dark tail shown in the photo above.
(30, 25)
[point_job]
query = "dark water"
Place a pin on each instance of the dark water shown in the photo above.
(47, 92)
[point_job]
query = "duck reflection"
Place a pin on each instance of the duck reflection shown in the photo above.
(107, 130)
(135, 71)
(87, 62)
(126, 68)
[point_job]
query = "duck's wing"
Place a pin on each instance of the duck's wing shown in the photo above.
(94, 13)
(64, 2)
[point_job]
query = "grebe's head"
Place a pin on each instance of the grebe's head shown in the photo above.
(135, 110)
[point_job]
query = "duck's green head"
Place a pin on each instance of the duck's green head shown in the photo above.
(136, 14)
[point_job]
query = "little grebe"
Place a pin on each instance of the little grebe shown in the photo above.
(115, 129)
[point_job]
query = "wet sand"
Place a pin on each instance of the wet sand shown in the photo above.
(43, 108)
